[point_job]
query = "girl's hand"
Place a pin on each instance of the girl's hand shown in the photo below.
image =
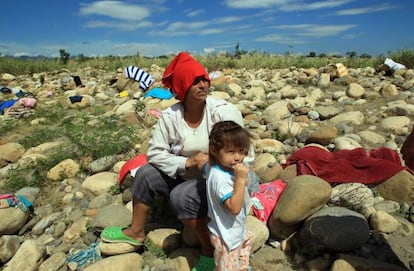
(241, 172)
(235, 203)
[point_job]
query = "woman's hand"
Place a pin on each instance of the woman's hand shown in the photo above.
(198, 160)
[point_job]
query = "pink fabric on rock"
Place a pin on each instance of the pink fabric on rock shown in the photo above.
(268, 195)
(28, 101)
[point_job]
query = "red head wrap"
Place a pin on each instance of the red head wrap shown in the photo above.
(181, 73)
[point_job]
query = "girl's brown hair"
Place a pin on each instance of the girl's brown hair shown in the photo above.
(227, 133)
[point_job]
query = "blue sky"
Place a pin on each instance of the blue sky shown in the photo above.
(153, 28)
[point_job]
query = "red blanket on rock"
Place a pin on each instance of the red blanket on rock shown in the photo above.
(343, 166)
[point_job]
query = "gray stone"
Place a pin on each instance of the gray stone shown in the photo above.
(26, 258)
(124, 262)
(9, 244)
(301, 197)
(112, 215)
(12, 220)
(334, 229)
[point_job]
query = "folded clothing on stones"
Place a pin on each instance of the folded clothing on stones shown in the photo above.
(343, 166)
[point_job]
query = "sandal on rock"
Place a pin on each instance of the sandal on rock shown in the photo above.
(204, 264)
(115, 235)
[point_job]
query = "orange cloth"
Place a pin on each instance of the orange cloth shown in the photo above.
(181, 73)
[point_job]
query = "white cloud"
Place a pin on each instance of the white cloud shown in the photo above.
(18, 54)
(352, 36)
(211, 31)
(364, 10)
(181, 28)
(228, 19)
(313, 30)
(194, 12)
(301, 6)
(246, 4)
(305, 37)
(147, 49)
(116, 9)
(286, 5)
(118, 25)
(208, 50)
(276, 38)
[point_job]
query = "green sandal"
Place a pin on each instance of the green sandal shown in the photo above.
(115, 235)
(204, 264)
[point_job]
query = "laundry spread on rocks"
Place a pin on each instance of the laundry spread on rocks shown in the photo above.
(327, 161)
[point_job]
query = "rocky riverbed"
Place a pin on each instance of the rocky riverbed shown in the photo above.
(316, 224)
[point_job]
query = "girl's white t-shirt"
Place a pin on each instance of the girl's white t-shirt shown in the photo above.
(231, 228)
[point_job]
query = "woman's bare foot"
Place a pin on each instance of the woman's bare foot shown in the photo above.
(139, 236)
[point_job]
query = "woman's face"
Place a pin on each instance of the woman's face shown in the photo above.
(198, 90)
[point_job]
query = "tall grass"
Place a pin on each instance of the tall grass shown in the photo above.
(211, 62)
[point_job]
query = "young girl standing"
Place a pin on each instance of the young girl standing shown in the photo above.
(227, 196)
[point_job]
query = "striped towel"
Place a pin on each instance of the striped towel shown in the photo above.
(145, 79)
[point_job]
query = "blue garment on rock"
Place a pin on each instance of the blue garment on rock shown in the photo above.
(159, 93)
(6, 104)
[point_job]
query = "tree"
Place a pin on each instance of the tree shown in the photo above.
(237, 51)
(365, 55)
(64, 56)
(351, 54)
(81, 58)
(311, 54)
